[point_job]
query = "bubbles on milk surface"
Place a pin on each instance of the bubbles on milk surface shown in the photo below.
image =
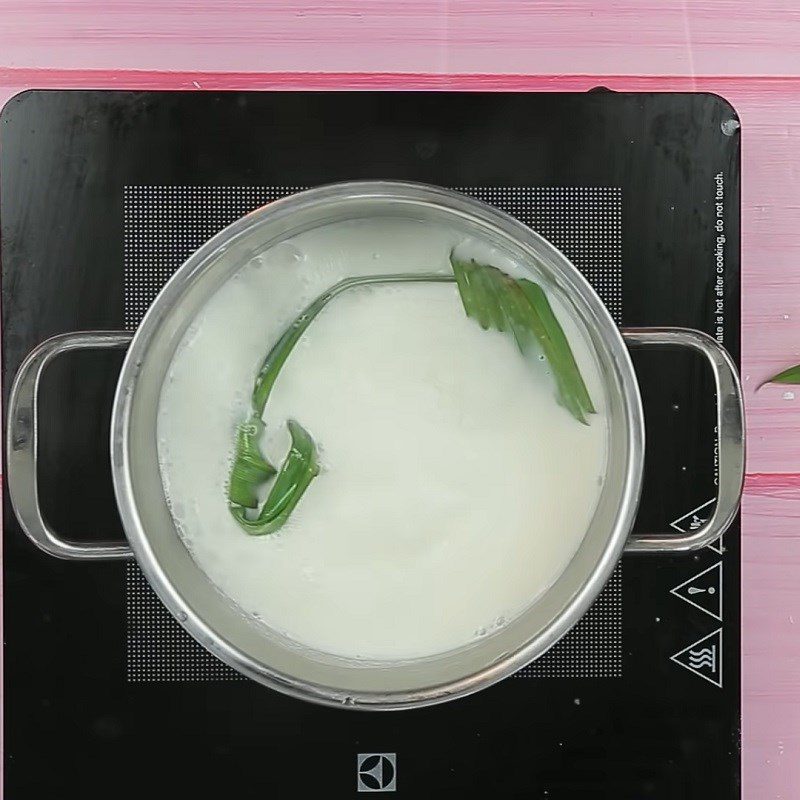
(286, 255)
(425, 426)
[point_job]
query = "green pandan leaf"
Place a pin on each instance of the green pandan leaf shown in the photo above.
(250, 469)
(492, 298)
(297, 471)
(499, 302)
(791, 375)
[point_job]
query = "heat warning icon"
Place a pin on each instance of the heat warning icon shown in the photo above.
(703, 658)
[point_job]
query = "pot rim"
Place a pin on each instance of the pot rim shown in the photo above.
(215, 641)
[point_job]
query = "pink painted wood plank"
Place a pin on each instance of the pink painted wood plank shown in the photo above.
(714, 37)
(771, 640)
(706, 46)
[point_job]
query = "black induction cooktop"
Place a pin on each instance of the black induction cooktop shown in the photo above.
(103, 194)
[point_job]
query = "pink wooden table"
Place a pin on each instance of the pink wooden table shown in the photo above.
(747, 51)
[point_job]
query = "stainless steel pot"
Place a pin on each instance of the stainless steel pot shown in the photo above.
(212, 618)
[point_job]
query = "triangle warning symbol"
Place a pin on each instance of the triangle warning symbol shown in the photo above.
(717, 546)
(703, 658)
(703, 591)
(693, 519)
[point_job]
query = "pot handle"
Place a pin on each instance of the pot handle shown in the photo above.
(22, 451)
(730, 438)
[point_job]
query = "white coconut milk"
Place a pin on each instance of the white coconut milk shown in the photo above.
(454, 488)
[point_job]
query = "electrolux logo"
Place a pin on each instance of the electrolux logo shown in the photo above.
(376, 772)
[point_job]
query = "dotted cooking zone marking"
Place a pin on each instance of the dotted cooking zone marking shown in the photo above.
(164, 225)
(593, 648)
